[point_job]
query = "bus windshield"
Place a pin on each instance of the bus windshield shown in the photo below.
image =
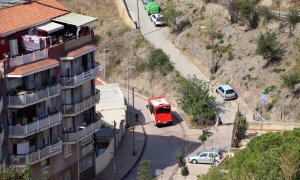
(165, 110)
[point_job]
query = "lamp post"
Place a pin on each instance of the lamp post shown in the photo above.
(78, 159)
(105, 50)
(136, 118)
(127, 111)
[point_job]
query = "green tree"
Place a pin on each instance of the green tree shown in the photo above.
(241, 125)
(10, 173)
(144, 170)
(158, 60)
(292, 78)
(269, 47)
(26, 174)
(292, 19)
(273, 155)
(248, 12)
(185, 171)
(170, 13)
(194, 98)
(180, 160)
(204, 136)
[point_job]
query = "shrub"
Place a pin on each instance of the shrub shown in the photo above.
(266, 13)
(269, 89)
(269, 47)
(248, 13)
(292, 19)
(140, 65)
(170, 13)
(158, 60)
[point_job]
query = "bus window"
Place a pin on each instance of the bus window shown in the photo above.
(165, 110)
(151, 109)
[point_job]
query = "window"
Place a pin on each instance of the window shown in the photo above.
(203, 155)
(67, 150)
(67, 175)
(165, 110)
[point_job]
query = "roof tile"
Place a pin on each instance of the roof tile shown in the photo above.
(22, 16)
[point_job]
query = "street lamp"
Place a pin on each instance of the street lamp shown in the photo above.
(127, 111)
(78, 159)
(105, 50)
(136, 118)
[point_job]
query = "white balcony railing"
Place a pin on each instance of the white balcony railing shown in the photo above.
(38, 155)
(74, 109)
(28, 98)
(83, 133)
(19, 131)
(81, 78)
(87, 149)
(28, 58)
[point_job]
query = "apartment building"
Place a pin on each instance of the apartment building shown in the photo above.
(47, 90)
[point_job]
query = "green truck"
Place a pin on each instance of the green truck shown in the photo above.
(152, 8)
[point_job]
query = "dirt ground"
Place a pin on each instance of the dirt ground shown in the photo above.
(246, 71)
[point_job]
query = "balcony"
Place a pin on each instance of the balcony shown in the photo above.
(87, 149)
(27, 98)
(36, 156)
(19, 131)
(77, 41)
(71, 82)
(27, 58)
(73, 110)
(73, 137)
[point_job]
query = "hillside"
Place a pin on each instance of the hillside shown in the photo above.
(246, 71)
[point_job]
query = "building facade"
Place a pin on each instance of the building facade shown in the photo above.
(47, 90)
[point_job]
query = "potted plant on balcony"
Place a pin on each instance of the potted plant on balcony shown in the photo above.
(24, 121)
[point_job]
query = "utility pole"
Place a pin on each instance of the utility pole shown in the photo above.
(212, 44)
(127, 111)
(138, 12)
(114, 133)
(105, 50)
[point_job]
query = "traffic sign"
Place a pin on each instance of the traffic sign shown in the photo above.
(263, 98)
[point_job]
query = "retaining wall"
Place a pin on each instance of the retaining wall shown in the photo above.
(124, 13)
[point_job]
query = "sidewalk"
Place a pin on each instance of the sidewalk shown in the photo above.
(124, 160)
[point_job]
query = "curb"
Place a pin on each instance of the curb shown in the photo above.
(140, 155)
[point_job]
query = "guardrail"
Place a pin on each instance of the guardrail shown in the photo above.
(19, 131)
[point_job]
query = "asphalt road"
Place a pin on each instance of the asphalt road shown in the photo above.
(163, 142)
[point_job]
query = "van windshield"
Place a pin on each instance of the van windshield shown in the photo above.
(165, 110)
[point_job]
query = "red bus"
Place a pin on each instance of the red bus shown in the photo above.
(159, 110)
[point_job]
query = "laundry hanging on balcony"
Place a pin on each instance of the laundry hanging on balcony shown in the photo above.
(35, 42)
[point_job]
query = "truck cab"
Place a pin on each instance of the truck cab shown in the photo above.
(159, 110)
(152, 8)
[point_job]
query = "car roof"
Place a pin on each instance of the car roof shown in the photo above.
(226, 86)
(211, 151)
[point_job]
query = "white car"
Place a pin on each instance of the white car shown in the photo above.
(208, 156)
(226, 91)
(158, 19)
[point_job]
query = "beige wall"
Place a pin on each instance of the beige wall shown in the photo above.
(124, 14)
(272, 126)
(104, 159)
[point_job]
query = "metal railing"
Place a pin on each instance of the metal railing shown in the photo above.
(81, 78)
(87, 131)
(28, 98)
(87, 149)
(28, 58)
(19, 131)
(36, 156)
(74, 109)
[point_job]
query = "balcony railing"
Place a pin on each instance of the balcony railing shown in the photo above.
(70, 82)
(19, 131)
(38, 155)
(83, 133)
(78, 41)
(23, 99)
(75, 109)
(27, 58)
(87, 149)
